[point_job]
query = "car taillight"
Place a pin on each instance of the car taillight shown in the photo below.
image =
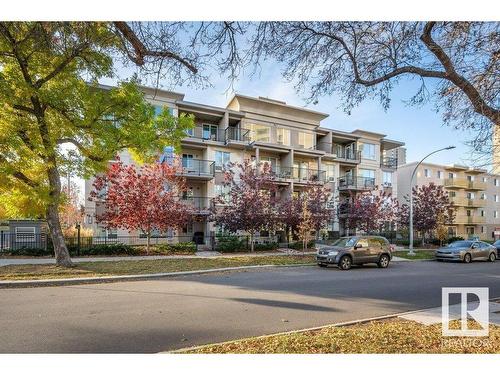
(392, 247)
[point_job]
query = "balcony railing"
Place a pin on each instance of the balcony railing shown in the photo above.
(471, 220)
(299, 174)
(237, 134)
(389, 162)
(198, 167)
(462, 183)
(356, 183)
(347, 154)
(197, 204)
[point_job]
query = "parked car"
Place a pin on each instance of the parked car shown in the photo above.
(497, 246)
(347, 251)
(467, 251)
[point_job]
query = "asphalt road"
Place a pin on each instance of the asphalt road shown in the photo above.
(159, 315)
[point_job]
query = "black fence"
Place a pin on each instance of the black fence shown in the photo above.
(41, 244)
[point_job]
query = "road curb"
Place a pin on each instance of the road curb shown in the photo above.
(140, 277)
(341, 324)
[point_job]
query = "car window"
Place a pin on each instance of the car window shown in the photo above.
(484, 245)
(374, 242)
(363, 242)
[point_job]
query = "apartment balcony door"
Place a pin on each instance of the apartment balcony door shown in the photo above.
(210, 132)
(187, 161)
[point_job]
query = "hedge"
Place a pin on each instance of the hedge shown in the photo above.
(181, 247)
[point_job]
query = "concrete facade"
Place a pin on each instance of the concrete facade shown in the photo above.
(290, 139)
(474, 193)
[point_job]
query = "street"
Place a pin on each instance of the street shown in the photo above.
(171, 313)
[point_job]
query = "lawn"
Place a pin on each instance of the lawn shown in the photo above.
(134, 267)
(388, 336)
(419, 254)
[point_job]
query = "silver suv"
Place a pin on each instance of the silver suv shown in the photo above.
(347, 251)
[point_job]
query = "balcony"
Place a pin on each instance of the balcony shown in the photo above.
(462, 183)
(476, 202)
(459, 201)
(346, 155)
(469, 220)
(199, 205)
(234, 134)
(197, 168)
(229, 134)
(299, 174)
(389, 162)
(356, 183)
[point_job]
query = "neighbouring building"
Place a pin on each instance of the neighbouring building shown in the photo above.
(474, 193)
(290, 139)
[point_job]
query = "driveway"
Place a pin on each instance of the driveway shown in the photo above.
(159, 315)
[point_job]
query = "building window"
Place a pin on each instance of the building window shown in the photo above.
(222, 159)
(470, 178)
(283, 136)
(260, 133)
(485, 179)
(495, 198)
(89, 219)
(367, 173)
(25, 234)
(483, 229)
(223, 191)
(483, 196)
(495, 214)
(427, 172)
(482, 213)
(451, 175)
(495, 181)
(387, 178)
(210, 132)
(306, 140)
(440, 174)
(368, 151)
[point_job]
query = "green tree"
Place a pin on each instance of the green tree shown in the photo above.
(50, 98)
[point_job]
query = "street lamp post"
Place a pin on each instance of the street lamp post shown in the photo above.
(411, 252)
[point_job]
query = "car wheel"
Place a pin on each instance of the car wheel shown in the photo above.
(345, 263)
(383, 261)
(492, 257)
(322, 265)
(467, 258)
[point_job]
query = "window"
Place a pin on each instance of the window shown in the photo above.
(210, 132)
(483, 196)
(25, 234)
(470, 195)
(485, 179)
(387, 178)
(495, 214)
(367, 173)
(483, 229)
(495, 198)
(188, 228)
(283, 136)
(260, 133)
(482, 213)
(159, 109)
(368, 151)
(90, 219)
(223, 191)
(495, 181)
(187, 161)
(427, 172)
(271, 161)
(469, 213)
(470, 178)
(440, 174)
(222, 159)
(451, 175)
(306, 140)
(330, 171)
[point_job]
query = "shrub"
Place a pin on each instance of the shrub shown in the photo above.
(453, 239)
(298, 245)
(266, 246)
(34, 252)
(231, 244)
(111, 249)
(176, 248)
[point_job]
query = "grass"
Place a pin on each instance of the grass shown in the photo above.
(388, 336)
(419, 254)
(134, 267)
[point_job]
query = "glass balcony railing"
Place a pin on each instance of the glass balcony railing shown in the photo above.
(299, 174)
(237, 134)
(197, 204)
(198, 167)
(356, 183)
(389, 162)
(217, 134)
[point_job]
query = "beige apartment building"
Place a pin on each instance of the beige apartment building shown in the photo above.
(474, 193)
(290, 139)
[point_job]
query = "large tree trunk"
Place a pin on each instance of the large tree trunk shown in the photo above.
(60, 250)
(52, 215)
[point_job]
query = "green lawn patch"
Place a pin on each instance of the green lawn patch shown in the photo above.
(419, 254)
(388, 336)
(139, 267)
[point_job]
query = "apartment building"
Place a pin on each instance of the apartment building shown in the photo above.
(290, 139)
(474, 193)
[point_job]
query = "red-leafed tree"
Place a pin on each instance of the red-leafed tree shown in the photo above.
(252, 200)
(431, 206)
(370, 211)
(142, 198)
